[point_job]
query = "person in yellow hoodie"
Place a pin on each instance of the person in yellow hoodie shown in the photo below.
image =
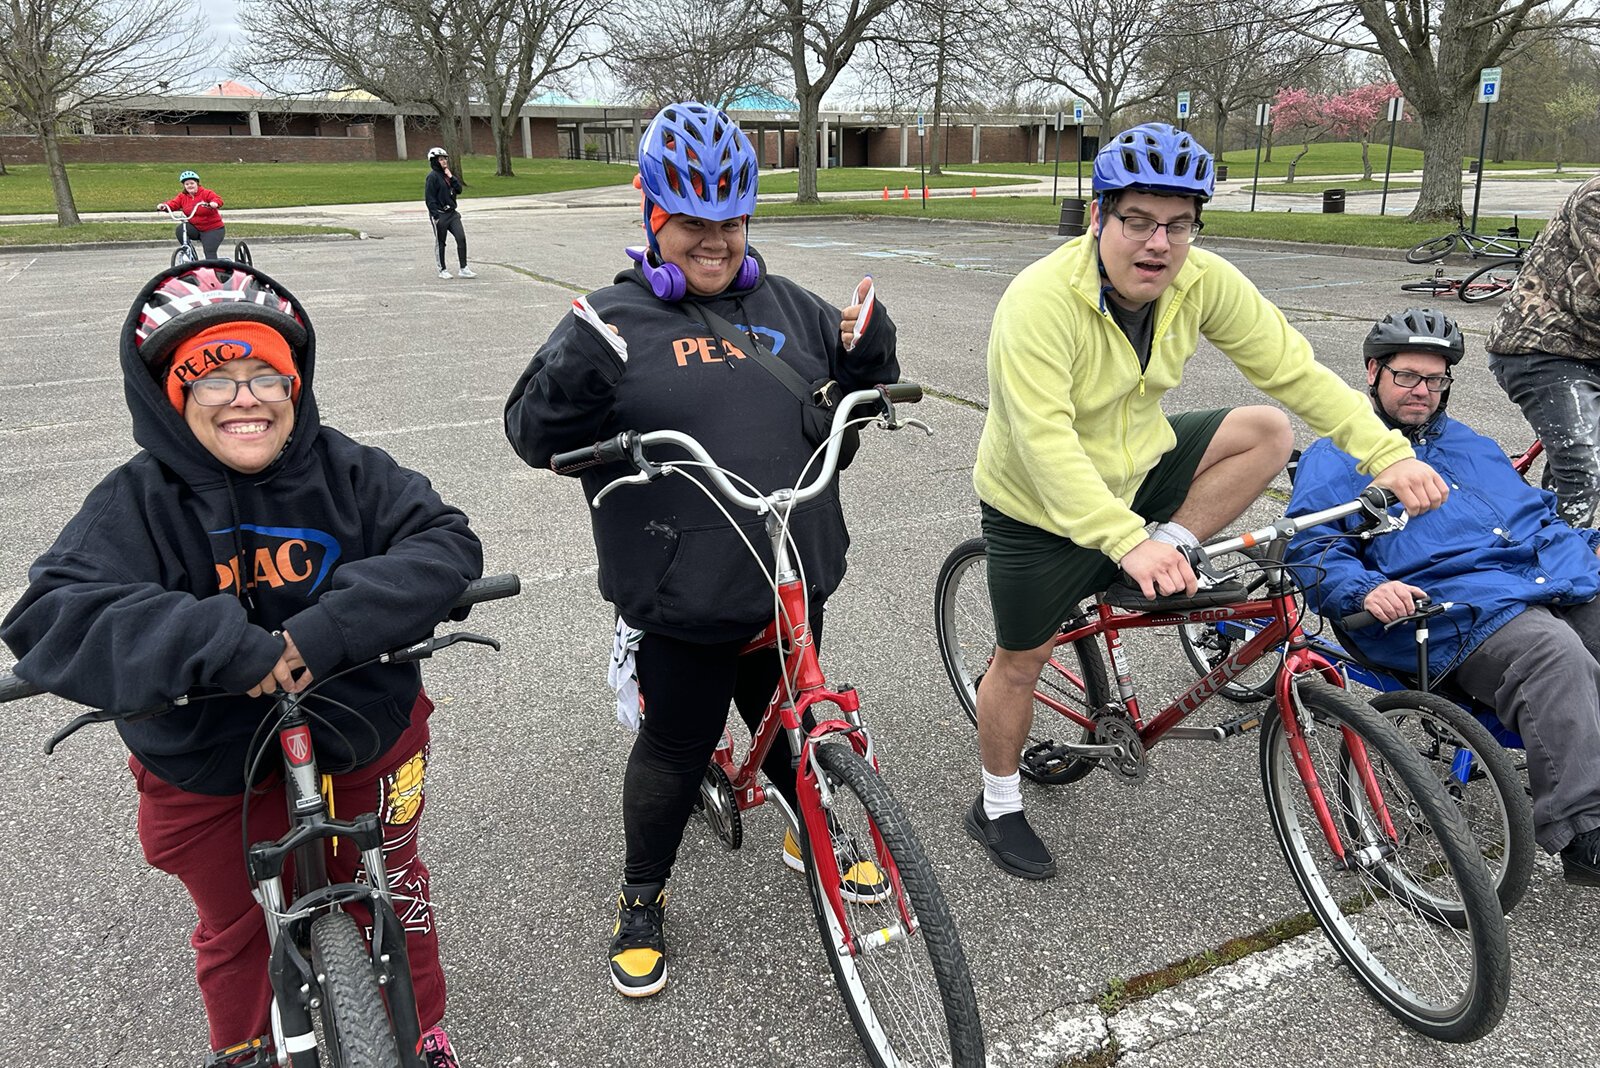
(1077, 458)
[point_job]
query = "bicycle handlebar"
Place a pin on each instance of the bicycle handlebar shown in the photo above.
(629, 447)
(189, 216)
(15, 689)
(1422, 608)
(1372, 505)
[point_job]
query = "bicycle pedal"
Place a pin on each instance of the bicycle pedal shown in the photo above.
(256, 1053)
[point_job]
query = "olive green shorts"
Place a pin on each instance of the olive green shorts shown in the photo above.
(1037, 579)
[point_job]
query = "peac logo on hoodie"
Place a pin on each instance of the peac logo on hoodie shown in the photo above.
(716, 350)
(297, 558)
(209, 358)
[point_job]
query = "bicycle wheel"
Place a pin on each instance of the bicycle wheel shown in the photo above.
(1074, 678)
(906, 985)
(1434, 287)
(1444, 975)
(183, 254)
(241, 254)
(1489, 281)
(1435, 249)
(1209, 644)
(355, 1023)
(1478, 774)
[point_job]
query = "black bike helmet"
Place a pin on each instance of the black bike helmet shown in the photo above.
(1415, 330)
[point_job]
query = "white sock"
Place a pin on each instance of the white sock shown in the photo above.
(1001, 794)
(1174, 534)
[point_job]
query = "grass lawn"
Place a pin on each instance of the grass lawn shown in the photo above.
(1353, 185)
(855, 179)
(1368, 231)
(51, 234)
(137, 186)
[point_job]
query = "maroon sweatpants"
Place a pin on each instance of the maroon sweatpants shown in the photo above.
(196, 837)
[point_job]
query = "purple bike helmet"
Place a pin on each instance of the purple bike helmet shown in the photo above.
(1155, 158)
(694, 160)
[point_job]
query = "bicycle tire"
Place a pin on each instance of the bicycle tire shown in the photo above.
(1433, 249)
(909, 992)
(355, 1022)
(1487, 788)
(1463, 960)
(1490, 280)
(964, 628)
(1434, 287)
(183, 254)
(1208, 644)
(241, 254)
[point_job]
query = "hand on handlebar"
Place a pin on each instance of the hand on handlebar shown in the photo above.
(1159, 569)
(1392, 600)
(282, 676)
(1418, 486)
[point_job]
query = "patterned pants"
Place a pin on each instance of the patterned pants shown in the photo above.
(1561, 399)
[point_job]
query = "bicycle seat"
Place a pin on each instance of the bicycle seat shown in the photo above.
(1124, 594)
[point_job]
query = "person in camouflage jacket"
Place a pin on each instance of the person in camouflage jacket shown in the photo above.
(1544, 350)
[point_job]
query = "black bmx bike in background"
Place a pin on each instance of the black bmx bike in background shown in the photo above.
(185, 252)
(339, 1000)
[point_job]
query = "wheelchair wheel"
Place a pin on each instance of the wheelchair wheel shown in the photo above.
(183, 254)
(241, 254)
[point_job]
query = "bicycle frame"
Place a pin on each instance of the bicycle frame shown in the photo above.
(289, 968)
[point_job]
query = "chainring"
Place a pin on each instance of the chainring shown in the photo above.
(719, 807)
(1129, 766)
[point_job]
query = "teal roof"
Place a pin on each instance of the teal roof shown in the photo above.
(754, 99)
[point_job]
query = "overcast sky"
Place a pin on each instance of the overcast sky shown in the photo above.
(222, 17)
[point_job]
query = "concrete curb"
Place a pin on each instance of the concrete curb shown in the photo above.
(101, 246)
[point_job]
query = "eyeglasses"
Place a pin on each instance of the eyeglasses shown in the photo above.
(1409, 380)
(1139, 228)
(214, 392)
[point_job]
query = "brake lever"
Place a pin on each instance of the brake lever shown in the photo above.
(910, 421)
(101, 715)
(428, 646)
(639, 479)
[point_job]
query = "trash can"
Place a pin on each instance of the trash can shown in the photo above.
(1333, 202)
(1222, 172)
(1472, 166)
(1071, 224)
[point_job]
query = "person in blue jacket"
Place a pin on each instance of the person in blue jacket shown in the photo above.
(249, 547)
(684, 588)
(1529, 647)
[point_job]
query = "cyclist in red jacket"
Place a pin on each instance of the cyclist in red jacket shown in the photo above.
(205, 225)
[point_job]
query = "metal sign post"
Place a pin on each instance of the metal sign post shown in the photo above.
(1183, 110)
(922, 159)
(1056, 181)
(1397, 107)
(1077, 121)
(1263, 113)
(1490, 83)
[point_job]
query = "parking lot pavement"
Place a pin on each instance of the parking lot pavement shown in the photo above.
(523, 836)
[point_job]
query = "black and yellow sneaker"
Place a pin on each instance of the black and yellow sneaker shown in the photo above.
(638, 951)
(861, 881)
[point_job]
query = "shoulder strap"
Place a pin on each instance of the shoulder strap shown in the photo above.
(761, 356)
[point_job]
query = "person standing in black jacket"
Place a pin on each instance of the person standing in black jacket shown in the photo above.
(673, 566)
(248, 548)
(440, 192)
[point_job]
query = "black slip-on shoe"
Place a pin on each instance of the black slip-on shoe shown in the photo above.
(1011, 843)
(1580, 861)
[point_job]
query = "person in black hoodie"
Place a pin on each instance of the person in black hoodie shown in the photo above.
(248, 547)
(440, 191)
(670, 563)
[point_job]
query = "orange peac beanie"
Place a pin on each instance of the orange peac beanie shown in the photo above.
(202, 353)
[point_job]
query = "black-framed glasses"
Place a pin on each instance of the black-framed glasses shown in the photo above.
(215, 391)
(1139, 228)
(1409, 379)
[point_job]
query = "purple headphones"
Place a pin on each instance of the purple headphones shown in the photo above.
(667, 281)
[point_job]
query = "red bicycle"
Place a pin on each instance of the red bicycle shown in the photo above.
(895, 953)
(1380, 853)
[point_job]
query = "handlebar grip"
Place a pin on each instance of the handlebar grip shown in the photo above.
(903, 392)
(13, 688)
(1380, 497)
(1357, 620)
(489, 588)
(611, 451)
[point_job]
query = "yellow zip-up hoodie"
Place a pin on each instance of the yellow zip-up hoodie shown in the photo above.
(1074, 427)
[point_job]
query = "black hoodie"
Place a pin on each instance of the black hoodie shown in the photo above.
(669, 561)
(135, 603)
(439, 192)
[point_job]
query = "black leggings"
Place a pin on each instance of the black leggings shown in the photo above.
(210, 240)
(686, 688)
(451, 225)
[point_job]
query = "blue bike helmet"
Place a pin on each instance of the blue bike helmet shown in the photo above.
(186, 175)
(694, 160)
(1155, 158)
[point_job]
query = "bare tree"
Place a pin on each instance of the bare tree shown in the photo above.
(63, 57)
(925, 53)
(1436, 50)
(725, 54)
(518, 46)
(1097, 50)
(404, 52)
(818, 38)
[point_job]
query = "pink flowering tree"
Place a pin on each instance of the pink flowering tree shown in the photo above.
(1302, 115)
(1358, 114)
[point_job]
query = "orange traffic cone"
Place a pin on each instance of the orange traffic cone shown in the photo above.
(974, 190)
(886, 192)
(905, 192)
(924, 192)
